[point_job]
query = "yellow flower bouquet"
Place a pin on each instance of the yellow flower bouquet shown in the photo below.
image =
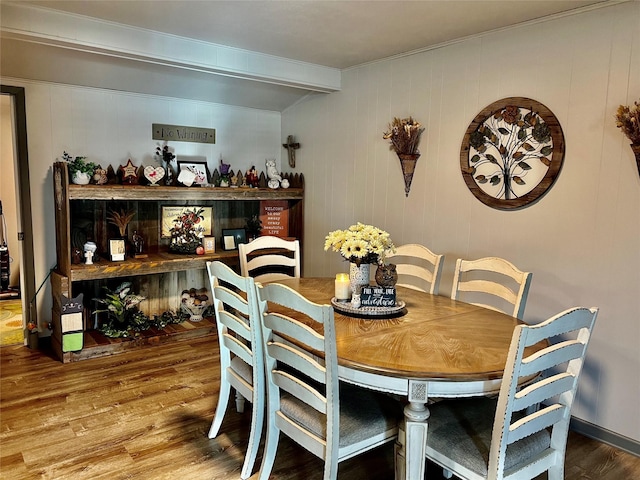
(360, 244)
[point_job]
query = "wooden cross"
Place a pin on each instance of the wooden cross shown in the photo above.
(291, 147)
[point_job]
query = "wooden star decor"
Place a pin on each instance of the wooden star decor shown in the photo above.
(129, 173)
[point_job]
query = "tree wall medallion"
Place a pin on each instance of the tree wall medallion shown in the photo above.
(512, 153)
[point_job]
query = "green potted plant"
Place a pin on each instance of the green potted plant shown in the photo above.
(80, 170)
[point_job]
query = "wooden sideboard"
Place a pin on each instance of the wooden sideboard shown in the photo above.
(81, 214)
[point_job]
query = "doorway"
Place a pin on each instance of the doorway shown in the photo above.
(22, 231)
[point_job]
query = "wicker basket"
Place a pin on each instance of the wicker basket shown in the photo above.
(185, 248)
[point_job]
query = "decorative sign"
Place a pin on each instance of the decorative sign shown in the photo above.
(275, 218)
(378, 297)
(177, 133)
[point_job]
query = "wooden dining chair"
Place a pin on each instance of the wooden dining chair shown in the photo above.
(493, 283)
(502, 439)
(238, 313)
(417, 267)
(306, 401)
(269, 258)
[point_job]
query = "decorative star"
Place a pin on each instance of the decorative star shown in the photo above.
(129, 173)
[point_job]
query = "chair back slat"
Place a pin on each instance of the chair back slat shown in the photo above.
(542, 390)
(238, 348)
(270, 258)
(492, 282)
(553, 355)
(536, 422)
(285, 352)
(418, 267)
(300, 331)
(235, 323)
(229, 300)
(302, 391)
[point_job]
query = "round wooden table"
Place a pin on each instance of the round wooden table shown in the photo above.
(437, 347)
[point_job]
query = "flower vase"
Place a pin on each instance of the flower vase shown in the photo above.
(408, 163)
(636, 151)
(359, 276)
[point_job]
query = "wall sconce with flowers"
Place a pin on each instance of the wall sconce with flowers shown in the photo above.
(404, 136)
(628, 120)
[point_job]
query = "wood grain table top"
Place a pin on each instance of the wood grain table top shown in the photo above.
(436, 339)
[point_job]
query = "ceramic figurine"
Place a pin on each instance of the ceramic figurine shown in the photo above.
(272, 173)
(100, 176)
(386, 275)
(224, 173)
(252, 177)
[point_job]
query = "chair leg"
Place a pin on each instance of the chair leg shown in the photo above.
(239, 402)
(269, 454)
(223, 401)
(257, 421)
(556, 472)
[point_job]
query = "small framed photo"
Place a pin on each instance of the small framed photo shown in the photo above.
(232, 237)
(198, 168)
(117, 250)
(209, 244)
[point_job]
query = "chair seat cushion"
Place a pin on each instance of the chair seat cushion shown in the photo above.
(362, 414)
(461, 430)
(242, 368)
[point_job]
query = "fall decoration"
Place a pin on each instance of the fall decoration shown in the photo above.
(404, 137)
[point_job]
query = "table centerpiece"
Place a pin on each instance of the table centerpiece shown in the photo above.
(362, 245)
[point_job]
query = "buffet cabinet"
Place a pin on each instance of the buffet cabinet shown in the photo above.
(82, 214)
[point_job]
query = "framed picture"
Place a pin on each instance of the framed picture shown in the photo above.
(209, 244)
(232, 237)
(198, 168)
(171, 215)
(116, 250)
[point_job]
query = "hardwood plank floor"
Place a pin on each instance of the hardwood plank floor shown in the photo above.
(145, 414)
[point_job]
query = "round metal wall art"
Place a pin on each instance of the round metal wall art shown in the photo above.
(512, 153)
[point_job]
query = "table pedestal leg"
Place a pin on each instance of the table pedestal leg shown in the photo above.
(412, 439)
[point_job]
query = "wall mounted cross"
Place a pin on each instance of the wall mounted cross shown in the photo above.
(291, 147)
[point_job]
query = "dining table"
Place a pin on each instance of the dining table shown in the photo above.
(432, 348)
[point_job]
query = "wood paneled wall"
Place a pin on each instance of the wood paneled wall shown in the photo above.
(581, 240)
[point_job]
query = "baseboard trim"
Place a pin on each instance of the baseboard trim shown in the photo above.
(606, 436)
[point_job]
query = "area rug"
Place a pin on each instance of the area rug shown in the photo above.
(11, 331)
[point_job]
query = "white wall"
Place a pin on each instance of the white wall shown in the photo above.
(581, 241)
(110, 127)
(8, 188)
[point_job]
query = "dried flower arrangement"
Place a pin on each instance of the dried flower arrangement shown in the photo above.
(121, 219)
(404, 135)
(628, 120)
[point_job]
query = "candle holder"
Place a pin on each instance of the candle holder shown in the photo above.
(342, 287)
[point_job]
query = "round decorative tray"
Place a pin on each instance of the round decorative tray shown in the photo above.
(346, 308)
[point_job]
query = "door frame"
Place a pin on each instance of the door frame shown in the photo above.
(28, 289)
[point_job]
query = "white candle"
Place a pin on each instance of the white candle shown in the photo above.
(343, 288)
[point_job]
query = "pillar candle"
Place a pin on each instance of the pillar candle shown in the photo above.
(343, 288)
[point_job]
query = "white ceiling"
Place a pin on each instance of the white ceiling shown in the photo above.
(337, 34)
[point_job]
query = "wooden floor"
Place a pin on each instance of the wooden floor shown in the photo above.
(145, 414)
